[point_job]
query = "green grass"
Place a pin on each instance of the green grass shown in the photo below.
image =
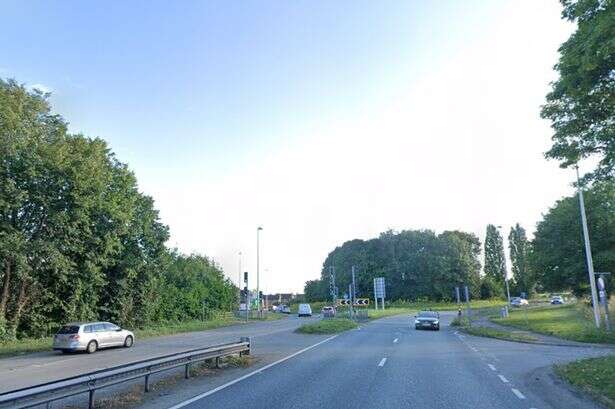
(23, 346)
(573, 322)
(499, 334)
(331, 326)
(447, 306)
(595, 376)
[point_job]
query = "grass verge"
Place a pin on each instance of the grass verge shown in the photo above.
(573, 322)
(331, 326)
(594, 376)
(499, 334)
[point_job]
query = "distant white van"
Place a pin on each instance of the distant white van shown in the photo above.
(305, 310)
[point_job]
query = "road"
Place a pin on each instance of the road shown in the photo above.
(31, 369)
(388, 364)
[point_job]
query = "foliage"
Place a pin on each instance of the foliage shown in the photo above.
(519, 252)
(558, 254)
(595, 376)
(416, 264)
(495, 260)
(78, 241)
(330, 326)
(581, 104)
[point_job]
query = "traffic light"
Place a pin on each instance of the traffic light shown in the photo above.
(245, 277)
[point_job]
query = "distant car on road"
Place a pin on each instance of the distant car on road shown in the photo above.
(91, 336)
(328, 312)
(518, 302)
(305, 310)
(283, 309)
(557, 300)
(427, 320)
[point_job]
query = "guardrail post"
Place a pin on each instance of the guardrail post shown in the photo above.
(48, 406)
(217, 362)
(187, 371)
(91, 399)
(147, 383)
(246, 339)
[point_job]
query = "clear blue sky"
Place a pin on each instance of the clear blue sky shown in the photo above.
(322, 120)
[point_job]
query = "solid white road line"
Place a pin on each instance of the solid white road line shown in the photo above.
(503, 379)
(246, 376)
(382, 362)
(491, 367)
(518, 393)
(395, 340)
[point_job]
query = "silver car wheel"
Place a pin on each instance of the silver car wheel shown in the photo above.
(92, 347)
(128, 342)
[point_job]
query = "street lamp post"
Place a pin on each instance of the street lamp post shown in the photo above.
(258, 291)
(505, 269)
(588, 253)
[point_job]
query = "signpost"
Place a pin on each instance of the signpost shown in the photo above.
(604, 300)
(245, 281)
(467, 294)
(361, 302)
(379, 291)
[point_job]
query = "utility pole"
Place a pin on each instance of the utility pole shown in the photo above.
(505, 269)
(588, 253)
(354, 287)
(258, 290)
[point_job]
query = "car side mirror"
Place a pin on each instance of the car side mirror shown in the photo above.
(118, 330)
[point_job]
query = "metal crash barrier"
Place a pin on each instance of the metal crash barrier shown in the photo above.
(47, 393)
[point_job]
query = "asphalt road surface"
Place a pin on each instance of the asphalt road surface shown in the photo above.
(32, 369)
(388, 364)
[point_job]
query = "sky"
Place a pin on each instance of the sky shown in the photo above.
(320, 121)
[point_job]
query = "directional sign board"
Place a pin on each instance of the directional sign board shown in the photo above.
(361, 302)
(379, 290)
(343, 302)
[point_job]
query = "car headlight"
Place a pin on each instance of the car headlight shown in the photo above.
(436, 322)
(417, 321)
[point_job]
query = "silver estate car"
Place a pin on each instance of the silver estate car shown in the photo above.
(90, 336)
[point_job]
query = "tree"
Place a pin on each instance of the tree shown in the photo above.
(519, 247)
(558, 254)
(581, 104)
(495, 260)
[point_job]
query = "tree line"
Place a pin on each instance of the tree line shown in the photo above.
(78, 241)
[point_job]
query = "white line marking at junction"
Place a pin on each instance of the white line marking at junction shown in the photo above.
(473, 349)
(518, 393)
(491, 367)
(382, 362)
(503, 379)
(395, 340)
(246, 376)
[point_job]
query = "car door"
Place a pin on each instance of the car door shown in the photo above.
(100, 333)
(113, 333)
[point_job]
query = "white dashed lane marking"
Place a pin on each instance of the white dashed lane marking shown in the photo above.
(491, 367)
(382, 362)
(503, 379)
(518, 393)
(395, 340)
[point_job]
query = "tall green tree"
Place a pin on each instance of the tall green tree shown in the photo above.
(581, 104)
(558, 254)
(495, 260)
(519, 247)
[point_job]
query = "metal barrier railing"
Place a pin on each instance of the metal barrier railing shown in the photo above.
(47, 393)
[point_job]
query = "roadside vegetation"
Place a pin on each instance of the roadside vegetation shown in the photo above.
(595, 376)
(464, 324)
(329, 326)
(573, 322)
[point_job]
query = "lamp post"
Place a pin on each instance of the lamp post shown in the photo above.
(505, 269)
(258, 290)
(588, 253)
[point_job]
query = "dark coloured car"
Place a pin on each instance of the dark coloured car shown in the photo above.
(427, 320)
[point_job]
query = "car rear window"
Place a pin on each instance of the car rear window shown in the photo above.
(69, 329)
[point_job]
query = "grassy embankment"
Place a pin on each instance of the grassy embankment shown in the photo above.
(330, 326)
(595, 376)
(573, 322)
(27, 345)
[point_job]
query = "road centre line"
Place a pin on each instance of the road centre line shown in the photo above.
(492, 367)
(503, 379)
(382, 362)
(395, 340)
(518, 393)
(246, 376)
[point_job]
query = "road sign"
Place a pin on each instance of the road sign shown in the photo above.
(379, 288)
(344, 301)
(361, 302)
